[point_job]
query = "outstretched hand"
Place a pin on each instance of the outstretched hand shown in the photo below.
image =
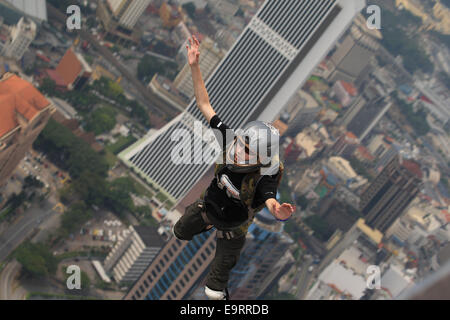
(280, 211)
(193, 52)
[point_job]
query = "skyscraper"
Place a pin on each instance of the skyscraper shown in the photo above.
(367, 109)
(390, 193)
(128, 12)
(20, 38)
(269, 61)
(132, 253)
(175, 271)
(119, 18)
(353, 55)
(24, 113)
(266, 244)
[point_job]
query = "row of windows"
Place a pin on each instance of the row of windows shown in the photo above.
(176, 268)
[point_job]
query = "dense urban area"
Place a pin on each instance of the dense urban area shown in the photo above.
(364, 140)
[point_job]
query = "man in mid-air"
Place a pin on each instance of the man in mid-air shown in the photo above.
(245, 182)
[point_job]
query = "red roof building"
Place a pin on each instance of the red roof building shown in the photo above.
(72, 71)
(24, 112)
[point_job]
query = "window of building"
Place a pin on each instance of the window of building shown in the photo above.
(170, 252)
(182, 282)
(166, 258)
(199, 261)
(158, 269)
(141, 288)
(150, 278)
(162, 263)
(177, 287)
(146, 283)
(138, 294)
(190, 272)
(195, 267)
(208, 252)
(203, 256)
(186, 278)
(154, 274)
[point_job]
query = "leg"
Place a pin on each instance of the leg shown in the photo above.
(227, 255)
(191, 223)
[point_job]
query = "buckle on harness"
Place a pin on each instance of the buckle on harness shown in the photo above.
(225, 234)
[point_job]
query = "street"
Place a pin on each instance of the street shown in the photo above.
(146, 97)
(8, 290)
(16, 233)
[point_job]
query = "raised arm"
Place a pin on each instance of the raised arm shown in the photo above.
(201, 95)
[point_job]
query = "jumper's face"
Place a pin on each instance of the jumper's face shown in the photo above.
(242, 154)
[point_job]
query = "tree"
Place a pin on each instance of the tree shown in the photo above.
(398, 42)
(74, 218)
(417, 119)
(48, 87)
(118, 197)
(32, 182)
(91, 187)
(101, 120)
(68, 151)
(36, 259)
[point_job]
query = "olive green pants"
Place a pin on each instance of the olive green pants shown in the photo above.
(227, 250)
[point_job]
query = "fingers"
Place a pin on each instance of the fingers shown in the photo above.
(196, 41)
(289, 206)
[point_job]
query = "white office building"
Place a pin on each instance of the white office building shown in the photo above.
(128, 12)
(21, 37)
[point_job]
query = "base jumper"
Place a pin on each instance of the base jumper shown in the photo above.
(244, 183)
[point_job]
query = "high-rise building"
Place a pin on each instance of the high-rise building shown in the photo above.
(390, 193)
(132, 253)
(303, 110)
(266, 244)
(353, 54)
(175, 271)
(269, 61)
(21, 37)
(24, 113)
(37, 9)
(366, 110)
(211, 55)
(119, 18)
(128, 12)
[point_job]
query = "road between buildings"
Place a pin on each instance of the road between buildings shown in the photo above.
(152, 101)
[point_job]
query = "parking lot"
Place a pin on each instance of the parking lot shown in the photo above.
(101, 232)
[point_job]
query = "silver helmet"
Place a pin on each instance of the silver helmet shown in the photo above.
(256, 146)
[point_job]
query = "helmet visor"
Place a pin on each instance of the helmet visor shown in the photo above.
(239, 153)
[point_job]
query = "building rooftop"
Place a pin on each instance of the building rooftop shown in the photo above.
(18, 95)
(150, 236)
(413, 167)
(69, 68)
(36, 8)
(350, 88)
(10, 15)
